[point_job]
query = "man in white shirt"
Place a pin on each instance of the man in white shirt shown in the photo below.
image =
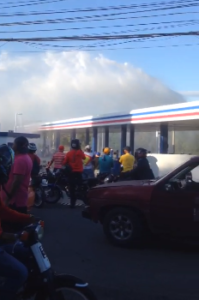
(88, 163)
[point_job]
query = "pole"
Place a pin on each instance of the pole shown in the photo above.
(173, 140)
(15, 126)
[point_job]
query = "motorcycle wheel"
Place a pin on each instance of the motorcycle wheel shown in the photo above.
(53, 194)
(39, 198)
(68, 287)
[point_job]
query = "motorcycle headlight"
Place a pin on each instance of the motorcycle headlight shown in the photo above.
(40, 232)
(106, 180)
(44, 182)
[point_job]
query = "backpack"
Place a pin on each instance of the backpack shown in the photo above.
(35, 168)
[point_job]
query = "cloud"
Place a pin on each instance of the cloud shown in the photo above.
(50, 86)
(190, 94)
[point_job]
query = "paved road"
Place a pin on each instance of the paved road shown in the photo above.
(77, 246)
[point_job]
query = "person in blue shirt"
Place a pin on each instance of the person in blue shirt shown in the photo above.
(105, 162)
(116, 165)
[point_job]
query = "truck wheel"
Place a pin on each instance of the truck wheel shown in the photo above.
(123, 227)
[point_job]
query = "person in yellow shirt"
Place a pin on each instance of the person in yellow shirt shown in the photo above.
(127, 161)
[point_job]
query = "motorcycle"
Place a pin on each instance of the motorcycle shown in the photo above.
(60, 178)
(43, 283)
(45, 191)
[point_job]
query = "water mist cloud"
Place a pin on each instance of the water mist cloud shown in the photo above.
(51, 86)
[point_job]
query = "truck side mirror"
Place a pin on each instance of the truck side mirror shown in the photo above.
(188, 177)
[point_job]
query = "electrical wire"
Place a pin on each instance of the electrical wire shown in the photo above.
(97, 44)
(103, 37)
(89, 19)
(32, 3)
(41, 2)
(112, 49)
(180, 22)
(100, 37)
(120, 7)
(81, 47)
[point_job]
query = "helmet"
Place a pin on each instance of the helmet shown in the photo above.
(75, 144)
(87, 148)
(32, 147)
(140, 152)
(106, 150)
(6, 161)
(61, 148)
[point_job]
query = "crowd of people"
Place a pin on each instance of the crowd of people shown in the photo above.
(15, 171)
(108, 162)
(85, 164)
(81, 164)
(20, 164)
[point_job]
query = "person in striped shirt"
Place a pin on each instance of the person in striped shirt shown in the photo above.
(57, 159)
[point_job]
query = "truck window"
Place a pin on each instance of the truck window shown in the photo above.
(188, 178)
(183, 173)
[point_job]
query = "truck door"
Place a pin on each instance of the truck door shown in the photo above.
(175, 204)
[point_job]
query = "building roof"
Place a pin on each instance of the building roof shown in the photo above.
(181, 114)
(16, 134)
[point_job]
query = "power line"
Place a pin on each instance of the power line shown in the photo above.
(99, 37)
(80, 47)
(113, 49)
(180, 22)
(102, 17)
(160, 27)
(41, 2)
(120, 7)
(156, 25)
(89, 19)
(23, 2)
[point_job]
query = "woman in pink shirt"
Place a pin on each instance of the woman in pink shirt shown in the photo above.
(16, 189)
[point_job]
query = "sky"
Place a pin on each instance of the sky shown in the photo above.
(39, 79)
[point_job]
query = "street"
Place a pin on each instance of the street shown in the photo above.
(77, 246)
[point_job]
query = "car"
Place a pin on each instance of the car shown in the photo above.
(129, 210)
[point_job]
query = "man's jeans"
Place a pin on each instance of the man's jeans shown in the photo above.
(13, 273)
(88, 173)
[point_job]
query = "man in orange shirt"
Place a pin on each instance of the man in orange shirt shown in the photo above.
(74, 158)
(12, 271)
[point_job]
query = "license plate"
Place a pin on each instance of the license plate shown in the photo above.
(43, 252)
(41, 257)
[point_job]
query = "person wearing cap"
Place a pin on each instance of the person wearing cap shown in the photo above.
(32, 148)
(116, 164)
(142, 171)
(105, 162)
(88, 162)
(127, 161)
(96, 161)
(74, 160)
(57, 159)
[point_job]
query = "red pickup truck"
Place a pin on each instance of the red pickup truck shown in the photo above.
(168, 206)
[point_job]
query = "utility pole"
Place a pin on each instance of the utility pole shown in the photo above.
(16, 115)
